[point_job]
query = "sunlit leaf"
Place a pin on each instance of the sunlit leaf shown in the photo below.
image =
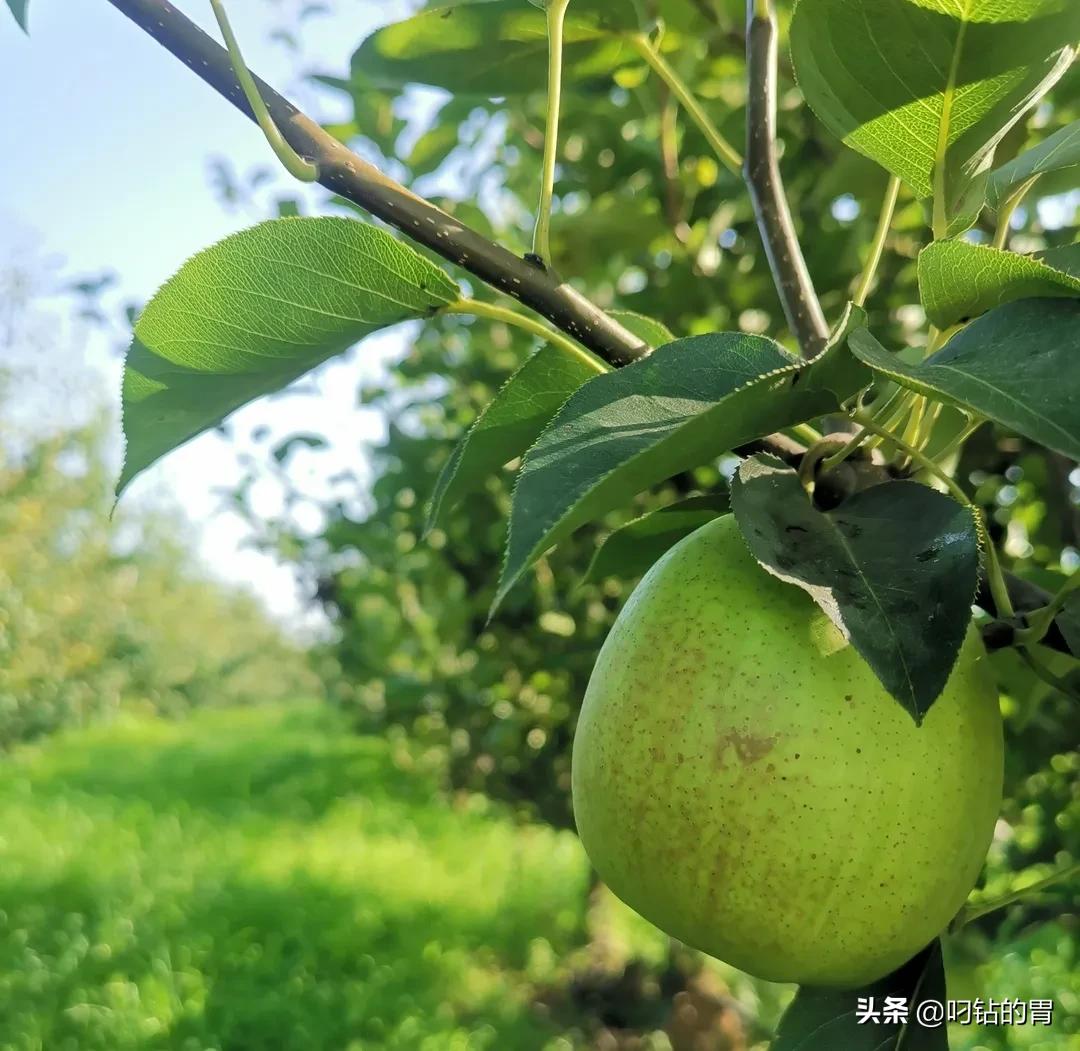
(492, 48)
(256, 311)
(654, 332)
(959, 281)
(927, 88)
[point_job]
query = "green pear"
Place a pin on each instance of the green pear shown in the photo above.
(743, 780)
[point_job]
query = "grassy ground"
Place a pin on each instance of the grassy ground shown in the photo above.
(264, 879)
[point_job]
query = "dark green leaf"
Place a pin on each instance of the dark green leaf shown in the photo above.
(959, 281)
(254, 312)
(895, 567)
(654, 332)
(18, 9)
(1016, 365)
(683, 405)
(1068, 622)
(832, 1019)
(631, 550)
(1060, 151)
(512, 421)
(492, 48)
(1066, 259)
(928, 87)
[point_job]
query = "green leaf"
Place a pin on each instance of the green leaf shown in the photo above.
(1016, 365)
(835, 1019)
(254, 312)
(927, 88)
(491, 48)
(1068, 622)
(1057, 153)
(511, 422)
(1065, 259)
(18, 9)
(628, 552)
(654, 332)
(895, 568)
(678, 408)
(959, 281)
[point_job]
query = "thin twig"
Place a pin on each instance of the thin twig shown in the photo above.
(762, 173)
(343, 172)
(723, 149)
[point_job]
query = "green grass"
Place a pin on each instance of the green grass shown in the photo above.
(265, 879)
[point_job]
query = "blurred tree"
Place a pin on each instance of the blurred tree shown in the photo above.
(97, 613)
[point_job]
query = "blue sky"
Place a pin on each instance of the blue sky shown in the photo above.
(107, 141)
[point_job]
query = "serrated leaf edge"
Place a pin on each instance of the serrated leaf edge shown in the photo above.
(796, 365)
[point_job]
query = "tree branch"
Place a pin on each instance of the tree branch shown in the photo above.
(343, 172)
(762, 172)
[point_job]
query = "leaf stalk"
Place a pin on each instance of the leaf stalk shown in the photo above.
(527, 324)
(1040, 620)
(556, 25)
(1008, 210)
(877, 248)
(294, 164)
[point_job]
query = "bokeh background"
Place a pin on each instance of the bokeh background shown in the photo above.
(268, 777)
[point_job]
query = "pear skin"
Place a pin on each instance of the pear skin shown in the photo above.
(743, 780)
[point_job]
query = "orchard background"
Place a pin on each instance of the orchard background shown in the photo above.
(368, 845)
